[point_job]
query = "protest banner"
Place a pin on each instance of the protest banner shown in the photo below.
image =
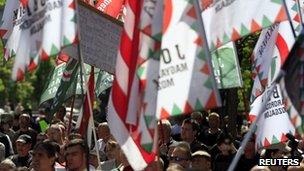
(100, 35)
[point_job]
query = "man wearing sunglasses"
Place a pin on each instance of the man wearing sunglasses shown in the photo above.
(181, 156)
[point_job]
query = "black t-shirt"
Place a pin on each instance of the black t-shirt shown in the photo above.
(21, 161)
(196, 145)
(6, 142)
(208, 138)
(222, 162)
(246, 164)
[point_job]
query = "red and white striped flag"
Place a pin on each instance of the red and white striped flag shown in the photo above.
(86, 115)
(131, 118)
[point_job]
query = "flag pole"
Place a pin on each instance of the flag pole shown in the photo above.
(253, 126)
(71, 114)
(289, 19)
(82, 73)
(202, 33)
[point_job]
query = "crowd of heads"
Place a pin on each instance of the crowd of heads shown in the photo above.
(197, 142)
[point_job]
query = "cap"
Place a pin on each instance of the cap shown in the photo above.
(26, 139)
(280, 146)
(201, 153)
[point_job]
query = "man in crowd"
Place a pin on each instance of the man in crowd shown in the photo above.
(75, 155)
(54, 133)
(23, 147)
(210, 135)
(201, 161)
(24, 123)
(190, 129)
(182, 156)
(104, 136)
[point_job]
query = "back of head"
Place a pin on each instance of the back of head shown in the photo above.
(7, 164)
(259, 168)
(175, 167)
(76, 142)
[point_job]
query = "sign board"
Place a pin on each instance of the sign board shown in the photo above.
(100, 37)
(226, 67)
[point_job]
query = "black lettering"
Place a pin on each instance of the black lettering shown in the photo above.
(165, 53)
(275, 92)
(178, 53)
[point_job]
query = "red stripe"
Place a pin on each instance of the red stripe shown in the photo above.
(86, 109)
(125, 48)
(120, 101)
(136, 7)
(283, 48)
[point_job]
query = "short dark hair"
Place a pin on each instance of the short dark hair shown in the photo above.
(50, 147)
(194, 124)
(76, 142)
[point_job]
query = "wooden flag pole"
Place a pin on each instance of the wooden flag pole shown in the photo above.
(85, 82)
(71, 115)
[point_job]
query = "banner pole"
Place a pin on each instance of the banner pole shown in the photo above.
(71, 115)
(85, 82)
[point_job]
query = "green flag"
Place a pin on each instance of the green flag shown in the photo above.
(54, 80)
(103, 82)
(226, 67)
(69, 76)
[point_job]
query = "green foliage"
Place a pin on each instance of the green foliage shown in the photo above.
(29, 90)
(245, 48)
(2, 2)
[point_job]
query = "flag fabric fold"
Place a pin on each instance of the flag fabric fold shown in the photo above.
(238, 18)
(268, 57)
(34, 31)
(185, 81)
(293, 84)
(132, 121)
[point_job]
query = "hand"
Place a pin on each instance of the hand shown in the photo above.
(163, 149)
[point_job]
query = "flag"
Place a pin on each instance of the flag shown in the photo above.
(185, 82)
(69, 76)
(103, 82)
(111, 7)
(267, 132)
(268, 57)
(131, 120)
(293, 83)
(226, 67)
(35, 30)
(230, 20)
(86, 108)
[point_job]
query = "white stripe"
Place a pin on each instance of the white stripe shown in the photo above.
(122, 135)
(129, 22)
(122, 73)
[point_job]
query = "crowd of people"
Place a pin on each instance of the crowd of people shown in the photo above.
(197, 142)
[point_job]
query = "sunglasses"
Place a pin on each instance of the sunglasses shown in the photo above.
(172, 158)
